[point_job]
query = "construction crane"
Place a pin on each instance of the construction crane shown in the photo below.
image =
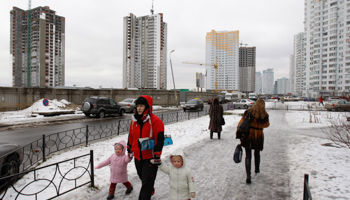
(215, 67)
(243, 44)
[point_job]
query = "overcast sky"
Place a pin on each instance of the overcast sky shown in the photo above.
(94, 34)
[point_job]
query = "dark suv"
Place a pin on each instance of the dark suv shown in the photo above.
(100, 106)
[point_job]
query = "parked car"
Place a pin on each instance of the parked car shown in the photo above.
(243, 103)
(100, 106)
(11, 158)
(337, 105)
(128, 105)
(193, 104)
(222, 100)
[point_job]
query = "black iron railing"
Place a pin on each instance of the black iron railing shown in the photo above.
(64, 177)
(307, 192)
(36, 151)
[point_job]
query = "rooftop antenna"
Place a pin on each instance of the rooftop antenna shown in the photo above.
(29, 4)
(152, 8)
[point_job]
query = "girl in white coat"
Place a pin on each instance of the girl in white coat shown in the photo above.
(180, 177)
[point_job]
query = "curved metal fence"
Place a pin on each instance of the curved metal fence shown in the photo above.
(62, 178)
(36, 151)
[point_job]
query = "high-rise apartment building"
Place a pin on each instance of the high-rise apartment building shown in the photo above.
(327, 29)
(282, 86)
(297, 66)
(222, 47)
(258, 82)
(37, 46)
(145, 52)
(268, 82)
(247, 64)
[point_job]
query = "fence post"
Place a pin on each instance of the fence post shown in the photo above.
(177, 116)
(44, 148)
(87, 134)
(198, 114)
(287, 108)
(92, 168)
(118, 126)
(188, 115)
(306, 181)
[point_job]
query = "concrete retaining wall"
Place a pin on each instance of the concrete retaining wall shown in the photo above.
(15, 98)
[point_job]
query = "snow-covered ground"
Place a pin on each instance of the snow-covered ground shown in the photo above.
(328, 166)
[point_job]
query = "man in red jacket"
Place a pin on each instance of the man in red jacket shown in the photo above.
(145, 124)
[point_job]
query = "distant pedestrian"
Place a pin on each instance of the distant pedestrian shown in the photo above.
(145, 125)
(321, 100)
(216, 115)
(259, 119)
(180, 177)
(282, 99)
(119, 174)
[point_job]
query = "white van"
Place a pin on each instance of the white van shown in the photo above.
(232, 96)
(253, 96)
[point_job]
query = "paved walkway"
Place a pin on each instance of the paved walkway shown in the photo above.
(218, 177)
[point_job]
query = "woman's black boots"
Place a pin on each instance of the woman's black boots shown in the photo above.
(248, 165)
(219, 135)
(211, 134)
(257, 164)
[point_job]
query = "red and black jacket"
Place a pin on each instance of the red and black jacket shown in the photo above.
(143, 130)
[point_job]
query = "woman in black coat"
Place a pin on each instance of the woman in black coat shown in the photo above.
(216, 114)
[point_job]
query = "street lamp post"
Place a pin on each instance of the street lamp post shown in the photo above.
(171, 65)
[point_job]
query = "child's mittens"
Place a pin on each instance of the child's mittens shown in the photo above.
(131, 155)
(192, 194)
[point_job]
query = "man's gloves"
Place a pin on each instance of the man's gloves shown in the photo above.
(156, 160)
(192, 194)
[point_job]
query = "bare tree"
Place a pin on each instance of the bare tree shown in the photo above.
(339, 131)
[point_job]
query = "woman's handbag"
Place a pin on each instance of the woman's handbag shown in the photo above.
(243, 128)
(237, 156)
(222, 121)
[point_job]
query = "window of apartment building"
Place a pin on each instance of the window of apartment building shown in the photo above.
(332, 71)
(332, 76)
(325, 39)
(333, 48)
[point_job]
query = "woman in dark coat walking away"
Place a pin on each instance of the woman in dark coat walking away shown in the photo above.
(259, 119)
(215, 113)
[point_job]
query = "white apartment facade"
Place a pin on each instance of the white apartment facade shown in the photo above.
(283, 86)
(258, 82)
(145, 52)
(222, 47)
(297, 73)
(268, 81)
(327, 29)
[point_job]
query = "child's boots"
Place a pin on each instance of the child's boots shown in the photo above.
(128, 191)
(110, 196)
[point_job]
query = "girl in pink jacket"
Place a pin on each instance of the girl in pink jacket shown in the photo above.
(119, 174)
